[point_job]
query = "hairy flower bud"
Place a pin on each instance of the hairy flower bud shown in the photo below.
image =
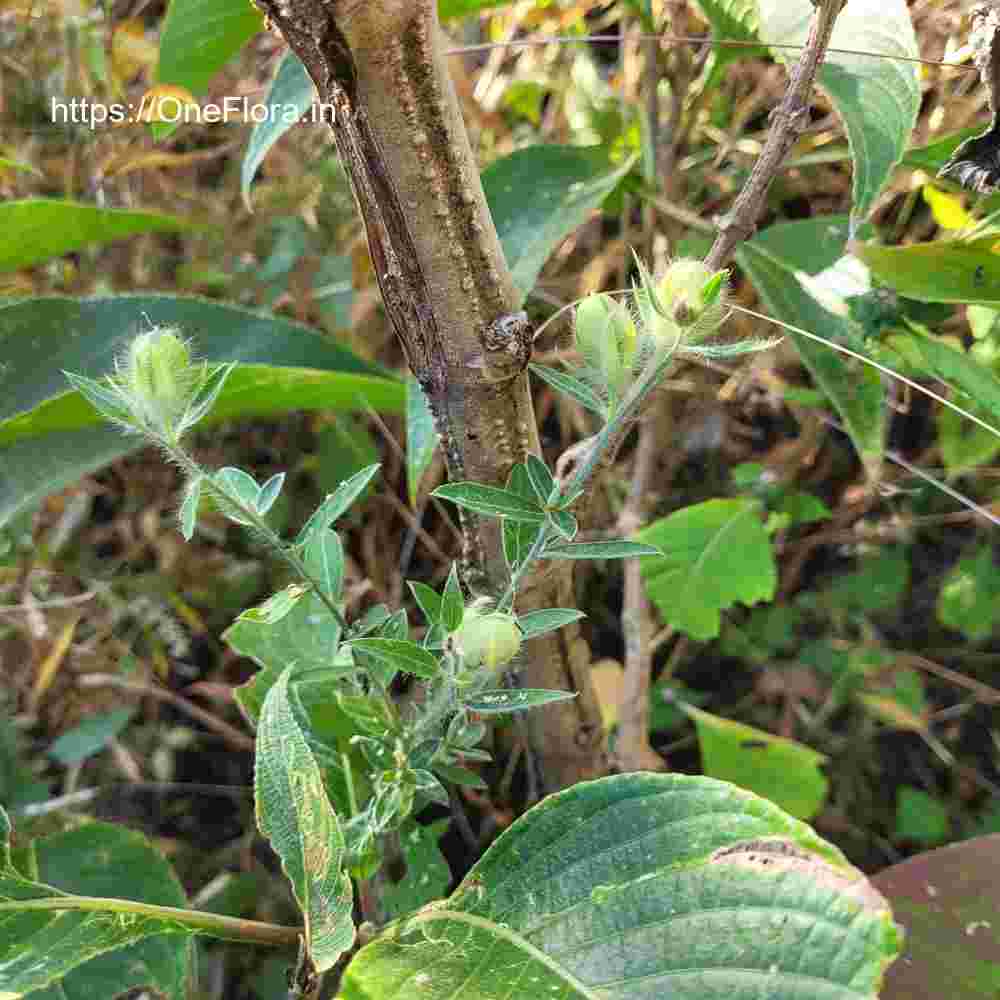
(690, 293)
(158, 375)
(606, 338)
(488, 638)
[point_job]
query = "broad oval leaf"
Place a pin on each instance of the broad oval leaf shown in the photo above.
(295, 815)
(49, 436)
(713, 554)
(947, 900)
(876, 95)
(782, 770)
(641, 886)
(37, 229)
(39, 947)
(538, 196)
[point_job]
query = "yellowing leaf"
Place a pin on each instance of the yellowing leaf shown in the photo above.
(947, 208)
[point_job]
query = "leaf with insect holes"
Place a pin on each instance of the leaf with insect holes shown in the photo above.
(295, 815)
(642, 886)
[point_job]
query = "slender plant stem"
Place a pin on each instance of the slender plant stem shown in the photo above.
(260, 525)
(228, 928)
(789, 120)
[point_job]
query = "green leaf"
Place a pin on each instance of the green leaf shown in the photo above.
(427, 873)
(336, 504)
(960, 271)
(421, 437)
(323, 555)
(540, 478)
(102, 860)
(90, 736)
(539, 195)
(936, 154)
(781, 770)
(290, 88)
(641, 886)
(37, 229)
(187, 514)
(714, 554)
(293, 812)
(969, 601)
(240, 485)
(49, 437)
(732, 21)
(615, 548)
(307, 636)
(877, 95)
(200, 36)
(921, 817)
(452, 602)
(276, 606)
(492, 501)
(536, 623)
(428, 600)
(564, 523)
(500, 701)
(856, 394)
(39, 947)
(572, 387)
(393, 655)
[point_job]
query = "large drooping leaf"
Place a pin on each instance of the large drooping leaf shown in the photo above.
(779, 769)
(947, 900)
(539, 195)
(876, 95)
(102, 860)
(294, 813)
(49, 436)
(714, 554)
(36, 229)
(92, 946)
(642, 886)
(962, 271)
(773, 260)
(200, 36)
(291, 88)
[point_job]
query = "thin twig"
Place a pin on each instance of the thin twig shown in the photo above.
(788, 121)
(229, 733)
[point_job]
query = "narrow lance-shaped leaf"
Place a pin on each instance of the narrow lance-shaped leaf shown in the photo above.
(492, 501)
(295, 815)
